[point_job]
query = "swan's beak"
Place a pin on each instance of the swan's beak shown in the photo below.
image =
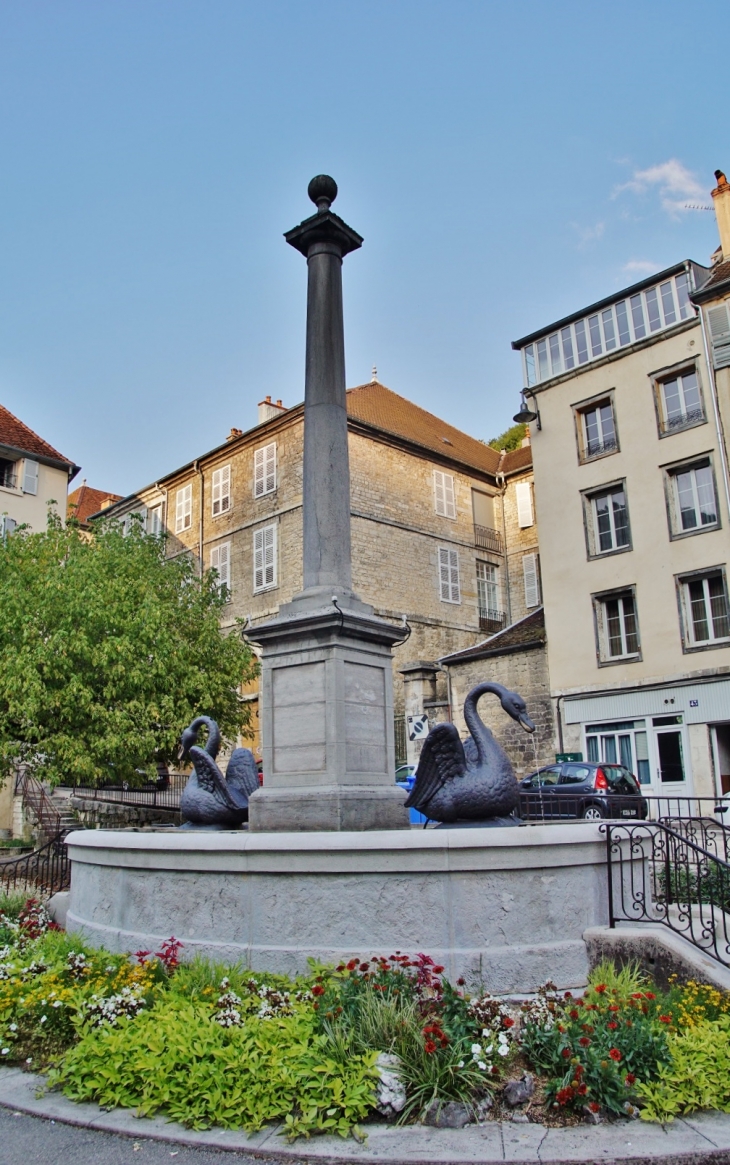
(526, 722)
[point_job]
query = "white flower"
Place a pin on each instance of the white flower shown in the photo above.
(29, 1060)
(44, 1018)
(488, 1051)
(4, 1052)
(503, 1050)
(13, 1027)
(476, 1049)
(482, 1065)
(460, 1064)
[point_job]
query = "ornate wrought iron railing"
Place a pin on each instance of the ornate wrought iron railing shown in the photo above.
(677, 876)
(36, 799)
(487, 539)
(491, 620)
(155, 798)
(45, 871)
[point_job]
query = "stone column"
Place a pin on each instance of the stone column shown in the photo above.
(326, 681)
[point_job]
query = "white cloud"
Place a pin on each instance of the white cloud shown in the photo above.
(675, 184)
(640, 267)
(589, 234)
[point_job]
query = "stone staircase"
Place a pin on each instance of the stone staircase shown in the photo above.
(50, 814)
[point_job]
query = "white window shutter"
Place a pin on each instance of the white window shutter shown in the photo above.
(443, 494)
(718, 320)
(220, 561)
(221, 496)
(270, 467)
(532, 580)
(30, 476)
(184, 508)
(264, 470)
(449, 583)
(154, 520)
(523, 493)
(264, 558)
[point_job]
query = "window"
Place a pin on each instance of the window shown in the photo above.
(8, 474)
(718, 322)
(488, 595)
(692, 499)
(220, 561)
(222, 490)
(30, 477)
(264, 470)
(184, 509)
(597, 430)
(607, 521)
(523, 493)
(614, 327)
(705, 612)
(531, 578)
(679, 402)
(264, 558)
(449, 575)
(154, 520)
(443, 494)
(617, 627)
(623, 742)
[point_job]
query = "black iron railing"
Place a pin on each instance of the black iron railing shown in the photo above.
(676, 876)
(488, 539)
(490, 620)
(547, 804)
(157, 797)
(680, 420)
(43, 872)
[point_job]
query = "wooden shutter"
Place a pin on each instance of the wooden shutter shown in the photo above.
(264, 558)
(221, 490)
(154, 520)
(718, 320)
(30, 476)
(220, 560)
(184, 508)
(264, 474)
(523, 493)
(532, 580)
(443, 494)
(449, 575)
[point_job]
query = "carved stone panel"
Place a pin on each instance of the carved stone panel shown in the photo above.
(299, 724)
(365, 739)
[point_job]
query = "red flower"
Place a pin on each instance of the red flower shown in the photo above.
(665, 1019)
(364, 966)
(600, 988)
(614, 1007)
(566, 1053)
(573, 1014)
(508, 1021)
(352, 964)
(341, 967)
(588, 1027)
(593, 1106)
(561, 1028)
(612, 1025)
(461, 982)
(564, 1095)
(615, 1054)
(437, 970)
(582, 1089)
(430, 1047)
(638, 995)
(649, 995)
(630, 1078)
(584, 1042)
(318, 989)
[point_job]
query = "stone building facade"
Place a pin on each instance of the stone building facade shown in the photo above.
(437, 539)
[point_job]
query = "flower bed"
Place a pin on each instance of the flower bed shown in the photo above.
(212, 1045)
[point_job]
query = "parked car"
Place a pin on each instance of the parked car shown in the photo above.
(582, 790)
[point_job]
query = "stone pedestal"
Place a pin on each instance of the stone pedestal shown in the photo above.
(327, 731)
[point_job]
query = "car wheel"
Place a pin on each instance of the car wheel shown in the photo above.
(593, 813)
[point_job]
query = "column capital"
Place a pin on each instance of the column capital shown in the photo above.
(324, 227)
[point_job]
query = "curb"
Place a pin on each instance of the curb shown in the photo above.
(697, 1140)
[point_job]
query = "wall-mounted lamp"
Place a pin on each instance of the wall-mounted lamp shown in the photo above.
(525, 415)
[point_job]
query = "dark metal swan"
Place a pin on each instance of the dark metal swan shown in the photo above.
(472, 781)
(209, 798)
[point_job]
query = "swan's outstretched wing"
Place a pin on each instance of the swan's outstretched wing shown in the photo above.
(442, 757)
(241, 773)
(210, 778)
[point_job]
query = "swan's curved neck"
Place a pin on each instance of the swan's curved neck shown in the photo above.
(213, 743)
(481, 735)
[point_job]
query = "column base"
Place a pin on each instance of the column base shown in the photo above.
(327, 808)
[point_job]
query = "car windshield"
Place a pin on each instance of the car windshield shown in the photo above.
(620, 779)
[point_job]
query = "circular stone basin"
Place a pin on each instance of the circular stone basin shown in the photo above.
(503, 907)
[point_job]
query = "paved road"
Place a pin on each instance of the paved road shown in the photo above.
(26, 1140)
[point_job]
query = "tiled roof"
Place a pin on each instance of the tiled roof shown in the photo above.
(85, 501)
(525, 633)
(720, 275)
(18, 436)
(375, 405)
(516, 459)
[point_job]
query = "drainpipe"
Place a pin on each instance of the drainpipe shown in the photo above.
(716, 409)
(199, 472)
(560, 724)
(508, 588)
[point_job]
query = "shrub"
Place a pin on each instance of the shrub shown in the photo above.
(696, 1074)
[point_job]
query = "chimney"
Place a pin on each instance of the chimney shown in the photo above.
(235, 433)
(721, 199)
(267, 409)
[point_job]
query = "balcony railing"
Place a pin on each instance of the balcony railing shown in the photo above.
(490, 620)
(596, 448)
(683, 420)
(488, 539)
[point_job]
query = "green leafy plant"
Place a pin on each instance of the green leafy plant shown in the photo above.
(696, 1074)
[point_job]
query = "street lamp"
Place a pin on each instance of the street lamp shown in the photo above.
(525, 415)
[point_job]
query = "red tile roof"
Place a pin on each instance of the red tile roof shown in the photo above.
(375, 405)
(18, 436)
(85, 501)
(516, 460)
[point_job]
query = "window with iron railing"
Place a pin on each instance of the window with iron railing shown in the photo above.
(8, 476)
(596, 430)
(490, 620)
(679, 402)
(488, 539)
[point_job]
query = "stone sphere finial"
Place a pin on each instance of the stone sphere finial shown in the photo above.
(323, 191)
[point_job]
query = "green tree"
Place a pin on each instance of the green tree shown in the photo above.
(107, 651)
(511, 439)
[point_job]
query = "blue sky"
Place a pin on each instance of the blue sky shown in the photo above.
(505, 162)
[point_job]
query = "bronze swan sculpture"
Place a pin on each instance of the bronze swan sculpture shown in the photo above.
(209, 798)
(473, 781)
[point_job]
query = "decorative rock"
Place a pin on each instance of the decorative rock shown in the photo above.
(591, 1117)
(520, 1118)
(481, 1111)
(519, 1091)
(390, 1090)
(451, 1115)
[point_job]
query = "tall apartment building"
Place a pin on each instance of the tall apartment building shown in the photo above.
(443, 526)
(633, 505)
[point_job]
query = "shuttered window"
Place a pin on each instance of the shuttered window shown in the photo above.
(220, 561)
(532, 580)
(184, 509)
(523, 491)
(443, 494)
(30, 477)
(449, 575)
(264, 470)
(718, 321)
(154, 520)
(264, 558)
(221, 490)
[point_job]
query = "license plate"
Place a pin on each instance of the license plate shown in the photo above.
(628, 813)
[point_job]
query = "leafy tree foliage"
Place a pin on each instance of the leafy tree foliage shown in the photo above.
(107, 651)
(511, 439)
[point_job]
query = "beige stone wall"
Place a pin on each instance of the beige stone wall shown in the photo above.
(525, 672)
(518, 541)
